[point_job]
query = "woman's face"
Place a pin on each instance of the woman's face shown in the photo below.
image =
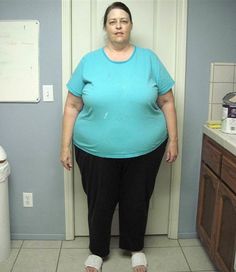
(118, 26)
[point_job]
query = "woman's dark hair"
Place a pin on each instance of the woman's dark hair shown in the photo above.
(116, 5)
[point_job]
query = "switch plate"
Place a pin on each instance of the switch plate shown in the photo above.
(28, 200)
(48, 93)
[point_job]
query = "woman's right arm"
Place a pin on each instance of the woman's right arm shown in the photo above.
(72, 108)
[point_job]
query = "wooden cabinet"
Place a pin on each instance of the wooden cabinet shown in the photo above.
(207, 203)
(225, 229)
(216, 217)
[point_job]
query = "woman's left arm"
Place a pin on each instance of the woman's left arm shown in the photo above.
(167, 105)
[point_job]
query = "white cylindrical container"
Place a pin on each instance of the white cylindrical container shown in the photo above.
(5, 241)
(228, 124)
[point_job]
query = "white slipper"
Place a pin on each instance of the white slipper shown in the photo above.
(138, 259)
(94, 261)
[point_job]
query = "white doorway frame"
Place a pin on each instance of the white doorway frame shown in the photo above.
(180, 63)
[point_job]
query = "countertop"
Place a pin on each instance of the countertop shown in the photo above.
(228, 141)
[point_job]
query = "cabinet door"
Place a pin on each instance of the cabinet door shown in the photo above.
(228, 171)
(209, 184)
(225, 237)
(211, 155)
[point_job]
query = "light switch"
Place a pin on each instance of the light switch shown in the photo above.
(48, 93)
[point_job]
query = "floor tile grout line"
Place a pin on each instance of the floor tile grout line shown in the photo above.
(17, 256)
(161, 246)
(42, 247)
(58, 259)
(21, 247)
(185, 257)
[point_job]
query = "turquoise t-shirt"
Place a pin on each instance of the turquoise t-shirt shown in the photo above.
(120, 117)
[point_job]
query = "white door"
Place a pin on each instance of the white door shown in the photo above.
(155, 28)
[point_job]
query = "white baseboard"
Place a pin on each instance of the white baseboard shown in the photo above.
(30, 236)
(188, 235)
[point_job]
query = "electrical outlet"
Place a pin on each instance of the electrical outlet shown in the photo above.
(28, 200)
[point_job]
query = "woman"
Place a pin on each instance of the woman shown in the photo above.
(120, 112)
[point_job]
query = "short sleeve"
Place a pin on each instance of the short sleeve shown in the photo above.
(76, 83)
(163, 79)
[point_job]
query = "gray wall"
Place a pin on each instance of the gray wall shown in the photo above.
(30, 133)
(211, 37)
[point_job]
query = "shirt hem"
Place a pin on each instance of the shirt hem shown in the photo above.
(121, 156)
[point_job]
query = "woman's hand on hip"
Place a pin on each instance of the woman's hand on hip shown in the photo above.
(66, 158)
(171, 150)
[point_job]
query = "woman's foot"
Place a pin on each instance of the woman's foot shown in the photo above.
(139, 262)
(93, 263)
(139, 268)
(90, 269)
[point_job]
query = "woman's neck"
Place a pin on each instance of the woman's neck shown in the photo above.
(119, 52)
(118, 47)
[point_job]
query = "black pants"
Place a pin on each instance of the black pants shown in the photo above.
(129, 182)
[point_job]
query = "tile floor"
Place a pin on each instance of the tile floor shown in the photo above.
(163, 255)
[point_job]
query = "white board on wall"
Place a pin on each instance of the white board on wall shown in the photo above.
(19, 61)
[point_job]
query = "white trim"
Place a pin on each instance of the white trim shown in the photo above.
(66, 72)
(181, 38)
(93, 15)
(181, 27)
